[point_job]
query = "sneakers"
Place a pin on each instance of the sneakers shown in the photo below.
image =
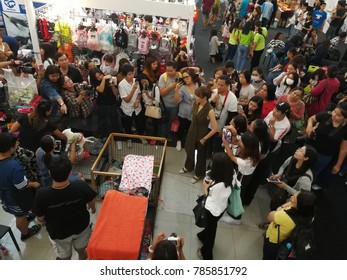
(179, 146)
(32, 230)
(152, 142)
(316, 187)
(144, 141)
(195, 179)
(129, 144)
(133, 129)
(229, 220)
(119, 145)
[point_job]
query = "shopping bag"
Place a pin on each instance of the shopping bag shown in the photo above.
(153, 112)
(175, 125)
(200, 212)
(235, 207)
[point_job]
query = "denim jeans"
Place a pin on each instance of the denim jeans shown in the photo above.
(165, 128)
(242, 52)
(231, 52)
(321, 163)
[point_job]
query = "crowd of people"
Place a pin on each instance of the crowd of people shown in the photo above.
(238, 121)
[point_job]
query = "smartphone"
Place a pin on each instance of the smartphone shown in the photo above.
(273, 181)
(40, 67)
(57, 146)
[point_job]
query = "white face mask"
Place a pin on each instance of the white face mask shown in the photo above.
(313, 82)
(289, 81)
(255, 78)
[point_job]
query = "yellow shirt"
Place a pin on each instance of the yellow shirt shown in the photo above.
(286, 227)
(234, 37)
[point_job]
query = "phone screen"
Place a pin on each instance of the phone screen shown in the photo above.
(57, 146)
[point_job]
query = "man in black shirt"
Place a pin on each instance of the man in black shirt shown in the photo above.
(64, 209)
(67, 69)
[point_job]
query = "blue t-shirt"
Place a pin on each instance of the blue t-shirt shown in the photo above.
(243, 8)
(13, 183)
(318, 18)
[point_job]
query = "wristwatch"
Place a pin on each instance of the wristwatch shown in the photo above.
(61, 104)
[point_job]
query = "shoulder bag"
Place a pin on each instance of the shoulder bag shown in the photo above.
(235, 206)
(200, 212)
(309, 99)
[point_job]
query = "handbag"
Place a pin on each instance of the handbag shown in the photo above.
(200, 212)
(299, 124)
(153, 111)
(235, 207)
(309, 99)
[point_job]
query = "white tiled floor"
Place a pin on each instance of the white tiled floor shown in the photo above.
(174, 214)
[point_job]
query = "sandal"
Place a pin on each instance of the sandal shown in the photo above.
(264, 225)
(30, 217)
(32, 230)
(195, 179)
(183, 170)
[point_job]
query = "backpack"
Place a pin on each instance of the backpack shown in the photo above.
(165, 45)
(121, 38)
(143, 45)
(300, 245)
(154, 42)
(132, 41)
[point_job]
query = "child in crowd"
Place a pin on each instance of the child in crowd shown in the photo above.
(107, 64)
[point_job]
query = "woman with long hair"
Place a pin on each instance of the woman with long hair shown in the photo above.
(246, 163)
(257, 78)
(185, 96)
(267, 93)
(246, 38)
(253, 109)
(50, 89)
(294, 175)
(233, 39)
(34, 125)
(217, 191)
(244, 89)
(151, 69)
(258, 45)
(107, 103)
(199, 133)
(287, 80)
(260, 129)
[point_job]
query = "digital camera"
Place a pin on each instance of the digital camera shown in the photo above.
(173, 238)
(27, 68)
(82, 87)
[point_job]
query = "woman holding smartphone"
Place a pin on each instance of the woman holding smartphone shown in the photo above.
(217, 190)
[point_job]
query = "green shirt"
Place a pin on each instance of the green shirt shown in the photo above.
(259, 40)
(233, 40)
(246, 39)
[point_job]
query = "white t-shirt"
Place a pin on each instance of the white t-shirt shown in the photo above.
(217, 199)
(230, 105)
(155, 92)
(246, 93)
(281, 129)
(245, 166)
(124, 89)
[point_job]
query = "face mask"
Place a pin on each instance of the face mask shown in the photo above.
(289, 81)
(313, 82)
(254, 78)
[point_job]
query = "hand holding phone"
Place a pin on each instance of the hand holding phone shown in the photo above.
(272, 180)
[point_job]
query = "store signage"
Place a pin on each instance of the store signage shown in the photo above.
(10, 6)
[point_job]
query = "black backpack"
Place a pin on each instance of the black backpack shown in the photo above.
(300, 245)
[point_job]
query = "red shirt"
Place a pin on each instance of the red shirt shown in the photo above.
(267, 108)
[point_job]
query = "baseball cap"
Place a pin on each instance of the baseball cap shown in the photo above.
(284, 107)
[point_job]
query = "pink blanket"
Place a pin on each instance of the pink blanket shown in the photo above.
(137, 172)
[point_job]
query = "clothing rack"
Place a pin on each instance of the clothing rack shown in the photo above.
(147, 7)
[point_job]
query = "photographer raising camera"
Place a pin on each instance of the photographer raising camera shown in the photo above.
(75, 97)
(166, 248)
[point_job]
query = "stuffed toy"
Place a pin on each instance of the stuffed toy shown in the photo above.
(81, 140)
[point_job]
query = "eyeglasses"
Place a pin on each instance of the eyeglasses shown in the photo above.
(184, 77)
